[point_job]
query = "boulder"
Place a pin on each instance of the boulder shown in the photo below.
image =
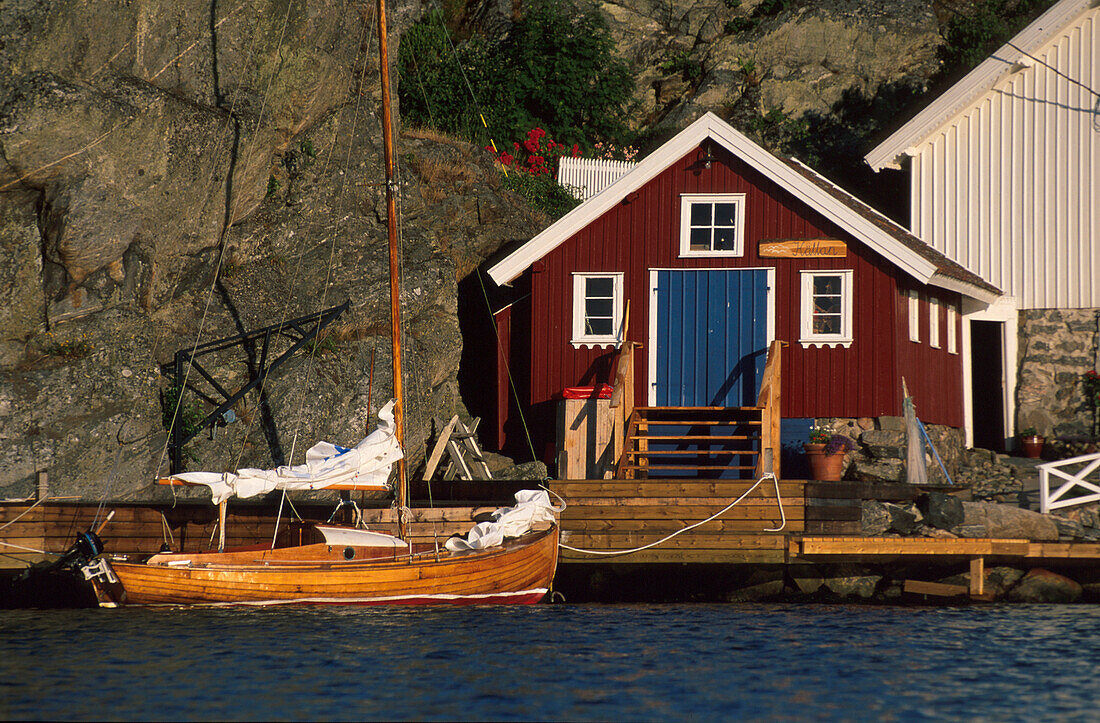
(852, 581)
(942, 511)
(883, 444)
(1006, 521)
(888, 470)
(761, 584)
(879, 517)
(1044, 586)
(998, 580)
(807, 578)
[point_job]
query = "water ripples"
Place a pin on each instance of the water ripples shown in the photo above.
(561, 662)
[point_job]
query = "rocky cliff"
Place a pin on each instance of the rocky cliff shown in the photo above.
(181, 171)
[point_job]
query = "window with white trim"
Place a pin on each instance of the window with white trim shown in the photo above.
(952, 334)
(934, 323)
(712, 224)
(597, 309)
(914, 315)
(826, 318)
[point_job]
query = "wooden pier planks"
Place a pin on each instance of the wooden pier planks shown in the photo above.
(909, 546)
(611, 515)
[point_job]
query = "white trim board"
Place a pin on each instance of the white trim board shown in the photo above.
(986, 75)
(711, 126)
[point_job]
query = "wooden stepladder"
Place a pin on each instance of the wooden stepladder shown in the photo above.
(465, 458)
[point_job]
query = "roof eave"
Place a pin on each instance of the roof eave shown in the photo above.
(974, 291)
(979, 80)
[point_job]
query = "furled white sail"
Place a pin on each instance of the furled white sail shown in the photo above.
(532, 506)
(365, 465)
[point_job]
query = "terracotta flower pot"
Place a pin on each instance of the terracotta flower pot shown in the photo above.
(1033, 446)
(824, 467)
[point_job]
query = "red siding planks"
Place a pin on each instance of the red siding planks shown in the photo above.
(642, 233)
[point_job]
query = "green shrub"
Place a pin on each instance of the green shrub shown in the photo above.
(555, 68)
(972, 34)
(189, 415)
(740, 25)
(542, 192)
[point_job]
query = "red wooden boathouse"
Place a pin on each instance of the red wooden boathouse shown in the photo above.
(703, 254)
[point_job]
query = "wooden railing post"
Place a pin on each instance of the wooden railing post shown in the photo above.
(622, 398)
(769, 401)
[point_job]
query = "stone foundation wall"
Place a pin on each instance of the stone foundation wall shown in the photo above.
(880, 449)
(1057, 346)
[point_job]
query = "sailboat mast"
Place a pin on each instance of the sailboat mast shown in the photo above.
(395, 289)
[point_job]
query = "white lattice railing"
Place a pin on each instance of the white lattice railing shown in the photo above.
(585, 177)
(1074, 481)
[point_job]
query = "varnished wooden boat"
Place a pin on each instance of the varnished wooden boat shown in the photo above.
(518, 572)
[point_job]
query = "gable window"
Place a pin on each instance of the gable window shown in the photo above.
(597, 309)
(952, 339)
(914, 315)
(826, 304)
(712, 224)
(934, 323)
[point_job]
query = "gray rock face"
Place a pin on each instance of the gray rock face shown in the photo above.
(1005, 521)
(792, 59)
(138, 164)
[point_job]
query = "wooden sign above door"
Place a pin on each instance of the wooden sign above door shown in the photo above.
(802, 248)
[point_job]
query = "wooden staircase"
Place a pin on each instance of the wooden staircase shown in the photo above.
(692, 443)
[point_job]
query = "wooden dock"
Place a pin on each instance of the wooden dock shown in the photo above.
(822, 525)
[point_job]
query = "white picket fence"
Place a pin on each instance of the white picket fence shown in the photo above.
(585, 177)
(1066, 469)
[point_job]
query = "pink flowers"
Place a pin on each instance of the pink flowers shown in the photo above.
(612, 152)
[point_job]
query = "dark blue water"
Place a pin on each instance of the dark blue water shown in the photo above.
(558, 662)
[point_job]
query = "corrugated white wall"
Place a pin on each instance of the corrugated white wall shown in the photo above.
(1010, 187)
(585, 177)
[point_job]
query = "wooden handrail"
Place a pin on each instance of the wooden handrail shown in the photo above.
(769, 401)
(622, 398)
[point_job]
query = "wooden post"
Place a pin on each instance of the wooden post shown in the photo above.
(768, 401)
(402, 492)
(221, 524)
(977, 576)
(42, 486)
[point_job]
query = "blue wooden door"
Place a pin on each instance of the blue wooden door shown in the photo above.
(712, 337)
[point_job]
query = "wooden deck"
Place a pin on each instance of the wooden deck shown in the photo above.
(617, 515)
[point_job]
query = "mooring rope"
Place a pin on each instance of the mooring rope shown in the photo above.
(30, 549)
(611, 553)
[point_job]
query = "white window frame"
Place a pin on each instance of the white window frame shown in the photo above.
(934, 323)
(580, 338)
(807, 337)
(914, 315)
(952, 334)
(686, 199)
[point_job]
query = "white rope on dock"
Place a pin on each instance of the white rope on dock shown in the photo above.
(29, 549)
(716, 515)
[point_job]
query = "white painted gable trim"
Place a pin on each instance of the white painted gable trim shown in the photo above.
(711, 126)
(986, 75)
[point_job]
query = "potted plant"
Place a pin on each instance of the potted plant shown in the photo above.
(826, 452)
(1032, 443)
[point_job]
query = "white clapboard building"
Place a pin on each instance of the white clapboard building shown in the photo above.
(1005, 179)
